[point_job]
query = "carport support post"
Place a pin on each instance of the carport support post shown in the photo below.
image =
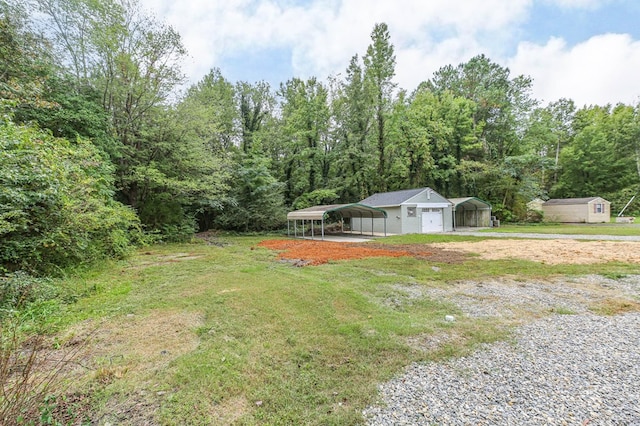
(322, 229)
(312, 229)
(476, 216)
(372, 224)
(454, 218)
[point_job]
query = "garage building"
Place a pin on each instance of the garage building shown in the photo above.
(412, 211)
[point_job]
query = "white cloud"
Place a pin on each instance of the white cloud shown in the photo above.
(598, 71)
(578, 4)
(322, 36)
(418, 29)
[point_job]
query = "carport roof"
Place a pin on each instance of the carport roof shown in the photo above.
(476, 202)
(346, 210)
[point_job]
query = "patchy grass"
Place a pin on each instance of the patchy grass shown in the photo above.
(226, 334)
(617, 229)
(615, 306)
(426, 238)
(561, 310)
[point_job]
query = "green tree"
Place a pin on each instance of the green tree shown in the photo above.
(351, 112)
(209, 112)
(165, 169)
(305, 126)
(548, 131)
(597, 161)
(433, 134)
(178, 176)
(379, 70)
(25, 62)
(255, 201)
(256, 104)
(502, 103)
(74, 25)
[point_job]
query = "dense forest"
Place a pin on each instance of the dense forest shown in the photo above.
(102, 147)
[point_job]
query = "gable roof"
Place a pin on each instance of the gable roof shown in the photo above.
(570, 201)
(395, 198)
(346, 210)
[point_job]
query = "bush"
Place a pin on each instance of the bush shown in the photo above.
(56, 205)
(535, 216)
(503, 213)
(19, 289)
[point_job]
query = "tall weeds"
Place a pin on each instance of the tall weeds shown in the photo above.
(32, 374)
(32, 370)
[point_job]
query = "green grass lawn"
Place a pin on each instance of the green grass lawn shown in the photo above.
(226, 334)
(618, 229)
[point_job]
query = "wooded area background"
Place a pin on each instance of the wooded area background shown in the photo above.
(102, 147)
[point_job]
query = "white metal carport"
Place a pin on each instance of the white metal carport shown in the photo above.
(320, 213)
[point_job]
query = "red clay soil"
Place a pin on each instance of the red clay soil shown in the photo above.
(305, 252)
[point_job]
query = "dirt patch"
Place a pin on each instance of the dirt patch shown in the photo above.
(211, 238)
(552, 252)
(161, 260)
(149, 342)
(229, 410)
(127, 345)
(305, 252)
(133, 348)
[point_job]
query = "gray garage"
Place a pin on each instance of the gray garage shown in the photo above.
(411, 211)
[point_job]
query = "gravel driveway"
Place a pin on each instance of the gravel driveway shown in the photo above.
(578, 369)
(499, 234)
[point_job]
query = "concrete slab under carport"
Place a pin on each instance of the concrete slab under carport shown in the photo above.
(340, 238)
(348, 237)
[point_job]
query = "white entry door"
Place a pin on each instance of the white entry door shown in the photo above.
(431, 221)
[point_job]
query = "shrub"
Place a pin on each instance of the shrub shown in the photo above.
(56, 205)
(535, 216)
(19, 289)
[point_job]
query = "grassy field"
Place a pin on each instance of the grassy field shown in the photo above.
(224, 333)
(573, 229)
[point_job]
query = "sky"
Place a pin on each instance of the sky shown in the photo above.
(585, 50)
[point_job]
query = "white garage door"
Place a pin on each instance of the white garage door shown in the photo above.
(431, 221)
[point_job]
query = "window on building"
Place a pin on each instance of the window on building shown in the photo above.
(411, 212)
(599, 208)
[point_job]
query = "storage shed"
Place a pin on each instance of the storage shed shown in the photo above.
(412, 211)
(471, 212)
(577, 210)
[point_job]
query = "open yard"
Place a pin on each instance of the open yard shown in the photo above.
(568, 252)
(256, 330)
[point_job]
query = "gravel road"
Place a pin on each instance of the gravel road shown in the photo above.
(579, 369)
(499, 234)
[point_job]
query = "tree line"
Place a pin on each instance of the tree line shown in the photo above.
(100, 150)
